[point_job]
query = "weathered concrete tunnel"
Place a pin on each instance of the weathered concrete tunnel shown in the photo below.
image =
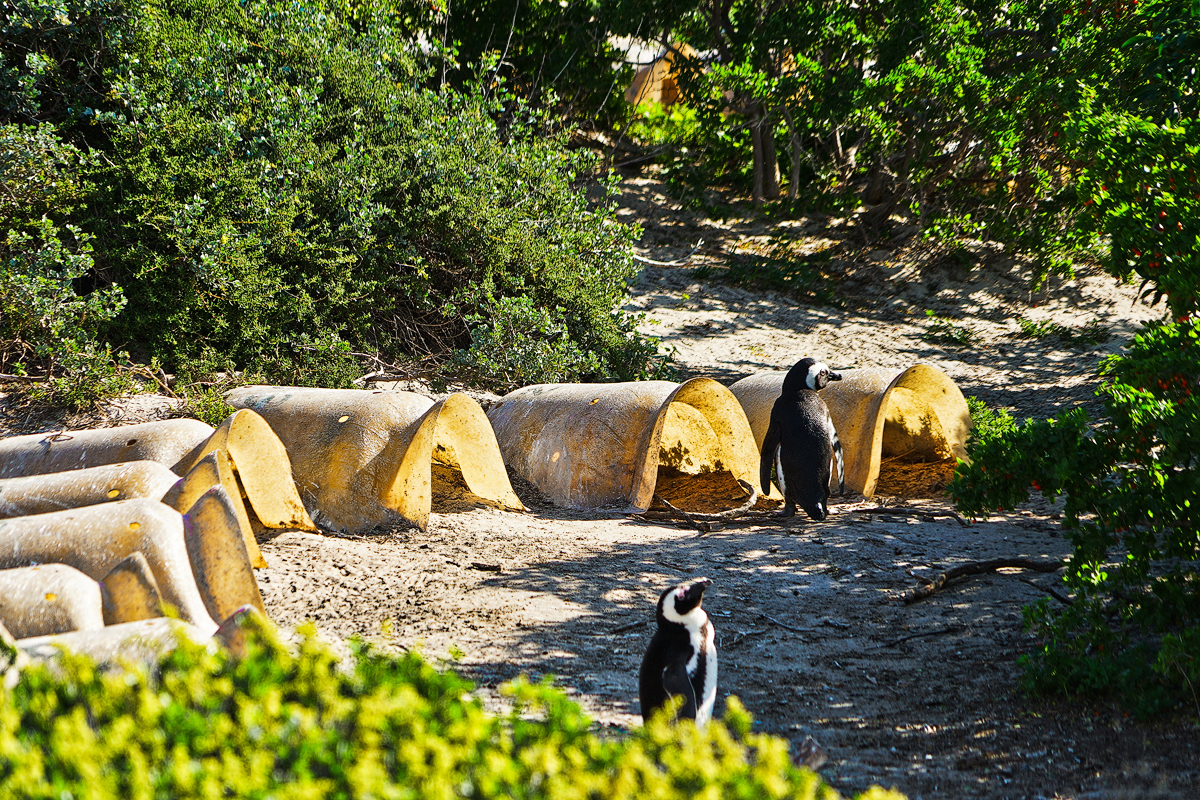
(364, 458)
(606, 444)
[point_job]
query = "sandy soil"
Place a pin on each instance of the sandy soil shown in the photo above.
(811, 634)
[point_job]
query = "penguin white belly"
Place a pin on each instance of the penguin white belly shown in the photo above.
(705, 707)
(779, 471)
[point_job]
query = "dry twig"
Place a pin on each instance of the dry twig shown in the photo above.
(792, 628)
(909, 512)
(702, 522)
(741, 637)
(931, 587)
(677, 263)
(1066, 601)
(939, 632)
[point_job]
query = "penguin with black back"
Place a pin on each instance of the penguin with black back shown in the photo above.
(801, 443)
(681, 660)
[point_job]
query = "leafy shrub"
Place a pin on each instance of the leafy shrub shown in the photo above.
(46, 326)
(656, 124)
(987, 425)
(282, 724)
(1094, 332)
(273, 184)
(942, 330)
(1130, 480)
(694, 152)
(514, 343)
(207, 404)
(1143, 192)
(1130, 484)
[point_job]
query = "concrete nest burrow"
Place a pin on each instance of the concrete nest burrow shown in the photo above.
(902, 431)
(364, 459)
(618, 444)
(95, 548)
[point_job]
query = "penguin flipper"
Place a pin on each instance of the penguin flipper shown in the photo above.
(766, 458)
(676, 682)
(841, 461)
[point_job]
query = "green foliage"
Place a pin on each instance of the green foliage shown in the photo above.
(987, 425)
(552, 53)
(515, 343)
(1131, 480)
(46, 326)
(693, 154)
(1093, 333)
(655, 124)
(1143, 192)
(207, 404)
(272, 184)
(1130, 484)
(942, 330)
(783, 269)
(278, 723)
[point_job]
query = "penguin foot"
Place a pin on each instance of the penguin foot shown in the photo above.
(788, 511)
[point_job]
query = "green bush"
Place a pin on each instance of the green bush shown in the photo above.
(1131, 483)
(986, 425)
(1130, 480)
(46, 327)
(693, 147)
(272, 184)
(784, 269)
(514, 343)
(282, 724)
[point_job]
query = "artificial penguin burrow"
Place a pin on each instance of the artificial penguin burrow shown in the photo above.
(801, 443)
(682, 657)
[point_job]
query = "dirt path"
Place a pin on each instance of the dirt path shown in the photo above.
(812, 638)
(923, 697)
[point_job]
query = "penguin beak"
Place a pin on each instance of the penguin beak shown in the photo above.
(835, 376)
(696, 590)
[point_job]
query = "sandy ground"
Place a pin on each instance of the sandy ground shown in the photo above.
(811, 634)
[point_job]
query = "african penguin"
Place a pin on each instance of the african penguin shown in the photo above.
(801, 443)
(682, 657)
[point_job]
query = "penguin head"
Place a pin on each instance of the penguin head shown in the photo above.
(817, 509)
(681, 603)
(808, 373)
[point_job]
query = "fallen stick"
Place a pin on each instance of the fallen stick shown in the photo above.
(769, 618)
(909, 512)
(677, 263)
(1066, 601)
(894, 642)
(931, 587)
(741, 637)
(751, 517)
(698, 520)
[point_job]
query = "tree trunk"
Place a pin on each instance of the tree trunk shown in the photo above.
(756, 148)
(794, 141)
(766, 162)
(770, 160)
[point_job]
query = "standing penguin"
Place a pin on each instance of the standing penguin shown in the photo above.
(801, 442)
(682, 657)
